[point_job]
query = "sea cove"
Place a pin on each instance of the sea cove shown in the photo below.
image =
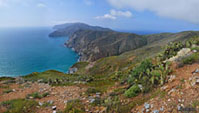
(27, 50)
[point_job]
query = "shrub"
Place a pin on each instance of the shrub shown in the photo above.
(140, 70)
(132, 91)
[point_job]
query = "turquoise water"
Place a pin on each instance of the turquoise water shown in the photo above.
(27, 50)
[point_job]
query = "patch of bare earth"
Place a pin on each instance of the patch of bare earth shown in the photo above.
(58, 95)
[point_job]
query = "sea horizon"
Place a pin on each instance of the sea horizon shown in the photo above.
(26, 50)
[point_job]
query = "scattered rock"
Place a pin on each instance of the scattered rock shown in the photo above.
(162, 108)
(172, 78)
(92, 100)
(66, 101)
(195, 71)
(179, 108)
(40, 103)
(156, 111)
(54, 111)
(147, 110)
(50, 101)
(54, 107)
(147, 106)
(171, 91)
(195, 51)
(194, 80)
(140, 86)
(40, 80)
(164, 88)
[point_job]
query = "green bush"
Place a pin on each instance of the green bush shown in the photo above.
(20, 106)
(140, 71)
(132, 91)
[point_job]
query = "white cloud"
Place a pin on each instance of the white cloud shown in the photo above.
(121, 13)
(114, 14)
(106, 16)
(41, 5)
(178, 9)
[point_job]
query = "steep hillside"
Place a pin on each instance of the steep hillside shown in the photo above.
(93, 42)
(93, 45)
(129, 59)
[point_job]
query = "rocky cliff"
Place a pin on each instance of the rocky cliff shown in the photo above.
(93, 42)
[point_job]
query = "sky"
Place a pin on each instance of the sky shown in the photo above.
(126, 15)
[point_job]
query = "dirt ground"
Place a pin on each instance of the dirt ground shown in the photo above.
(58, 95)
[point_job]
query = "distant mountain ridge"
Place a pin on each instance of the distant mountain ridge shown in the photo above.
(93, 42)
(70, 28)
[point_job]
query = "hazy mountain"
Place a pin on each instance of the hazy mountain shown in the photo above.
(69, 28)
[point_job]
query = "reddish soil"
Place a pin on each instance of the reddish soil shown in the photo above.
(58, 94)
(179, 92)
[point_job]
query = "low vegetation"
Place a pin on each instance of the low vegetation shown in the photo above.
(20, 106)
(37, 95)
(74, 106)
(8, 91)
(191, 59)
(56, 78)
(147, 75)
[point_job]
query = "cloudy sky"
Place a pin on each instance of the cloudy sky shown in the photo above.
(127, 15)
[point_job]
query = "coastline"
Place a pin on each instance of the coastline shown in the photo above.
(37, 53)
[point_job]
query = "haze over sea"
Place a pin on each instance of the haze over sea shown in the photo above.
(27, 50)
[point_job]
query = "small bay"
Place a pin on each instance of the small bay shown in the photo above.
(27, 50)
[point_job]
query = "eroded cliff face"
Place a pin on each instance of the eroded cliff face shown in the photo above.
(93, 45)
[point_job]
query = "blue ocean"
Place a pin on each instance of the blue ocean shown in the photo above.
(27, 50)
